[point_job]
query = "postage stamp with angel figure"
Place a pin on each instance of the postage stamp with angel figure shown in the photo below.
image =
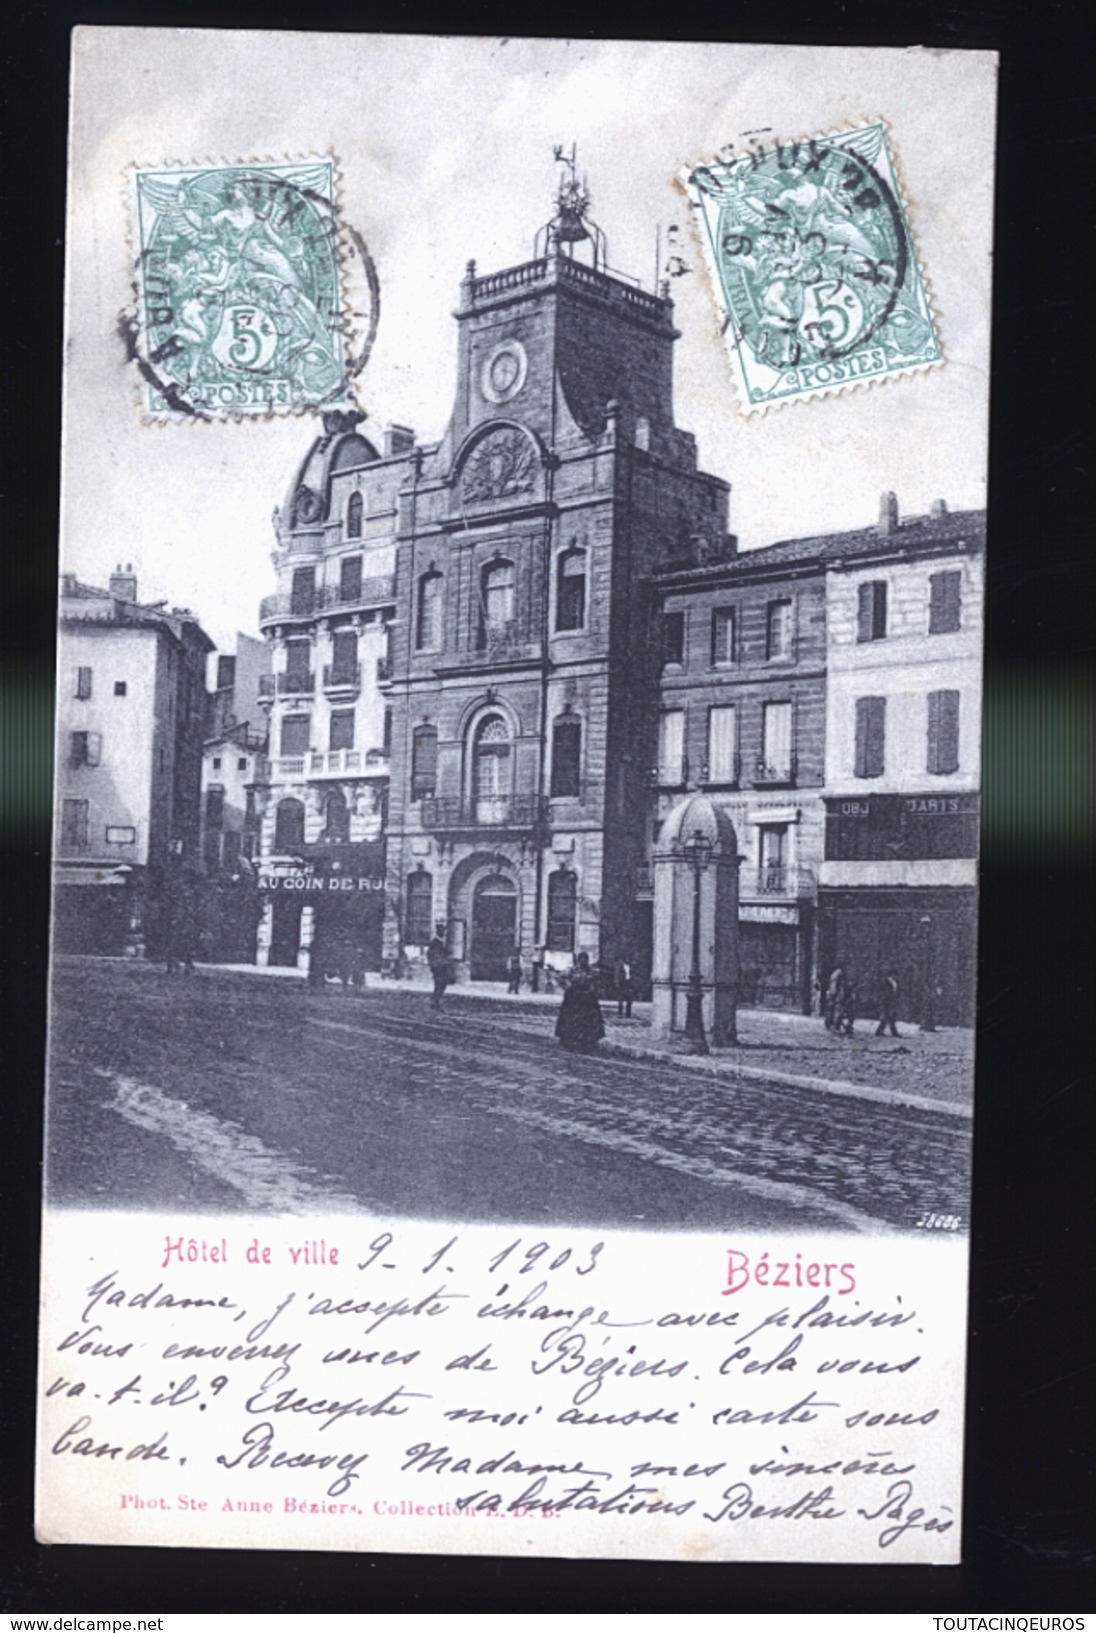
(814, 266)
(241, 306)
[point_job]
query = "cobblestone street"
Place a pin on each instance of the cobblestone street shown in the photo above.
(226, 1090)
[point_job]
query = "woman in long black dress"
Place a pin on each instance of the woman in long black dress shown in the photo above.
(579, 1025)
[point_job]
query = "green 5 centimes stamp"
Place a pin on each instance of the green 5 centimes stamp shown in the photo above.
(242, 303)
(813, 262)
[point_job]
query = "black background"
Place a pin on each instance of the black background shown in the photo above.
(1030, 1517)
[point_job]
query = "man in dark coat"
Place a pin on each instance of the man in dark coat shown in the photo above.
(834, 998)
(888, 1006)
(513, 971)
(440, 968)
(579, 1024)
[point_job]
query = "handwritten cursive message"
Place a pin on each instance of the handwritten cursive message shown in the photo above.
(359, 1384)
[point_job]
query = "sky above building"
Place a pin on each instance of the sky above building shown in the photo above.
(445, 150)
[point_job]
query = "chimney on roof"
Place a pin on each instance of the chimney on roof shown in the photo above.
(398, 439)
(888, 515)
(123, 585)
(939, 507)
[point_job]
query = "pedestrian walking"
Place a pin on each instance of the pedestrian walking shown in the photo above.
(441, 970)
(579, 1024)
(849, 1003)
(835, 991)
(625, 990)
(888, 1006)
(513, 971)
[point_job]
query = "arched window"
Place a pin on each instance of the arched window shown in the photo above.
(497, 596)
(336, 818)
(424, 762)
(571, 590)
(289, 826)
(492, 769)
(428, 616)
(562, 897)
(419, 929)
(566, 757)
(354, 517)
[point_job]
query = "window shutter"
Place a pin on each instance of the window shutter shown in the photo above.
(83, 682)
(870, 736)
(945, 592)
(672, 748)
(943, 733)
(350, 578)
(566, 759)
(721, 744)
(871, 610)
(864, 611)
(424, 762)
(723, 635)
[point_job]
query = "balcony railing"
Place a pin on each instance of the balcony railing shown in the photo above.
(776, 882)
(487, 811)
(297, 683)
(781, 774)
(345, 677)
(372, 592)
(348, 762)
(339, 762)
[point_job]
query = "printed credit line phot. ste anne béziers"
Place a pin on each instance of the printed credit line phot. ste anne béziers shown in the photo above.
(517, 797)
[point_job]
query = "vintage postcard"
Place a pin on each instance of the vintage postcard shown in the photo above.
(517, 803)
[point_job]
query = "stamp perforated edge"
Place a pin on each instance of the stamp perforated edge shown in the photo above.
(747, 409)
(350, 248)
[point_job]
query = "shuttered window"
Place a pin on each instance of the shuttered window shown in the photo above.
(722, 635)
(776, 739)
(943, 733)
(83, 682)
(350, 578)
(871, 611)
(722, 758)
(424, 763)
(673, 637)
(296, 732)
(778, 629)
(945, 592)
(870, 735)
(342, 729)
(571, 590)
(671, 748)
(74, 824)
(302, 595)
(566, 758)
(85, 748)
(420, 909)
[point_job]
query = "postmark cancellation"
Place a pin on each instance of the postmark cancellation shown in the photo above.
(813, 265)
(243, 305)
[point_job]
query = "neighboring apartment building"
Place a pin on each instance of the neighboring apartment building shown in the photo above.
(131, 715)
(320, 795)
(743, 714)
(235, 745)
(903, 741)
(523, 686)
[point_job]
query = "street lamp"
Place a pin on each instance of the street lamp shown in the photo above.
(698, 853)
(928, 1020)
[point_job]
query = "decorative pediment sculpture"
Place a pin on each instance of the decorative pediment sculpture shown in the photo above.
(502, 466)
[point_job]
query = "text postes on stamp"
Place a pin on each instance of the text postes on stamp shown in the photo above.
(241, 308)
(812, 260)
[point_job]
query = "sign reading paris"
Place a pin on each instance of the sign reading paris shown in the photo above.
(240, 303)
(812, 257)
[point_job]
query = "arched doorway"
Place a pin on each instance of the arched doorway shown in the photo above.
(494, 927)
